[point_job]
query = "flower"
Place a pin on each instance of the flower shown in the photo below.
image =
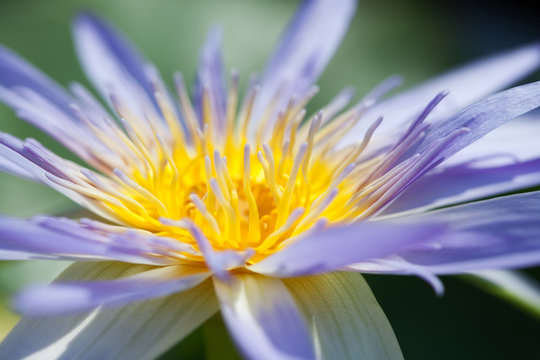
(257, 210)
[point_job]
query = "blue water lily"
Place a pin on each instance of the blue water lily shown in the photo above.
(247, 205)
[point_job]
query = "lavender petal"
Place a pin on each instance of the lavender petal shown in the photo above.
(304, 50)
(118, 46)
(336, 247)
(211, 77)
(481, 118)
(15, 72)
(263, 318)
(113, 64)
(138, 331)
(463, 183)
(54, 238)
(512, 142)
(65, 298)
(12, 168)
(497, 233)
(465, 85)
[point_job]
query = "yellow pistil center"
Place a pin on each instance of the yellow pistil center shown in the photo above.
(260, 194)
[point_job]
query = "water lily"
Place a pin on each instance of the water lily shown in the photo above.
(249, 206)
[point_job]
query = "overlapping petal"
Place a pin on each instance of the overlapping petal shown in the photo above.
(336, 247)
(112, 333)
(303, 51)
(17, 73)
(54, 238)
(465, 85)
(481, 117)
(345, 319)
(514, 141)
(66, 298)
(263, 318)
(497, 233)
(14, 169)
(42, 103)
(106, 54)
(113, 65)
(506, 159)
(462, 183)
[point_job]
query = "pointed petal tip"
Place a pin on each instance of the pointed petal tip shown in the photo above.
(29, 301)
(86, 17)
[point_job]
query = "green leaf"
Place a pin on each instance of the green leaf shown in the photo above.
(139, 331)
(513, 286)
(346, 320)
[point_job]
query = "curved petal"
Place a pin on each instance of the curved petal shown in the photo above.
(514, 141)
(462, 183)
(15, 72)
(303, 51)
(141, 331)
(506, 159)
(112, 63)
(13, 169)
(336, 247)
(211, 77)
(491, 234)
(43, 103)
(65, 298)
(263, 318)
(56, 238)
(481, 118)
(465, 84)
(345, 318)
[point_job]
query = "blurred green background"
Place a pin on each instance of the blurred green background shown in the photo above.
(415, 39)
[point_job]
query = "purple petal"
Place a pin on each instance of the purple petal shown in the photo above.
(336, 247)
(120, 50)
(29, 236)
(40, 101)
(304, 50)
(211, 76)
(138, 331)
(462, 183)
(483, 116)
(65, 298)
(263, 318)
(504, 160)
(12, 168)
(55, 238)
(15, 72)
(465, 85)
(44, 166)
(499, 233)
(112, 63)
(514, 141)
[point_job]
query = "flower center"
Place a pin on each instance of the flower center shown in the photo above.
(242, 190)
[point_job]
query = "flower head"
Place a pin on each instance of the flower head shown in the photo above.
(259, 196)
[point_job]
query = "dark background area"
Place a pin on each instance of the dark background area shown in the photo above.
(415, 38)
